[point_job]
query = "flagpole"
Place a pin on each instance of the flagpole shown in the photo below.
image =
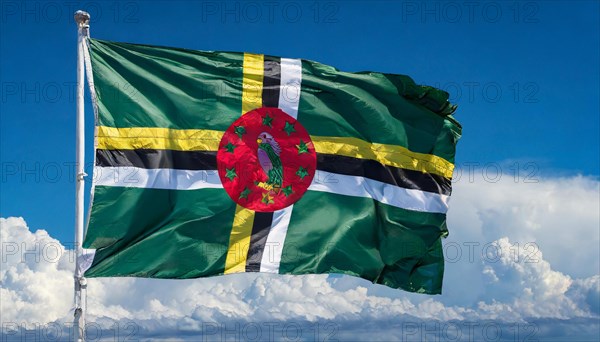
(82, 19)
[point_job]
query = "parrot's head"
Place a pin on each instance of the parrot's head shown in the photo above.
(265, 138)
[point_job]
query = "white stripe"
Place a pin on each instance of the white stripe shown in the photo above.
(271, 257)
(289, 91)
(323, 181)
(171, 179)
(382, 192)
(289, 100)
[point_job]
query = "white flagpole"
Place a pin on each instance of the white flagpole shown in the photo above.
(83, 20)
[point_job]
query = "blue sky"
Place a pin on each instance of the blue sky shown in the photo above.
(526, 77)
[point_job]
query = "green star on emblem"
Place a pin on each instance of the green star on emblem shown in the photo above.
(245, 193)
(230, 147)
(287, 190)
(267, 120)
(230, 173)
(267, 198)
(302, 147)
(239, 130)
(302, 172)
(289, 128)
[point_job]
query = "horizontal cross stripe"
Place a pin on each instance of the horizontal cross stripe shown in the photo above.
(391, 155)
(204, 160)
(372, 169)
(110, 138)
(324, 181)
(171, 179)
(381, 192)
(158, 159)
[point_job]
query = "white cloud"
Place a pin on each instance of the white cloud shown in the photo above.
(561, 216)
(498, 277)
(530, 288)
(35, 271)
(586, 293)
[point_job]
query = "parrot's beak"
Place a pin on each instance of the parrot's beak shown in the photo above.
(259, 140)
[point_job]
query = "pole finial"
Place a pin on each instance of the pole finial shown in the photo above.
(82, 18)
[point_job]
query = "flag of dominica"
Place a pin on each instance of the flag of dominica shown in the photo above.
(212, 163)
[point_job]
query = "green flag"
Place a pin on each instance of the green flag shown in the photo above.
(211, 163)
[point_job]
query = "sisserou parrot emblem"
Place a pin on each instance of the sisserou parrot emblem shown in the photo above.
(269, 159)
(266, 160)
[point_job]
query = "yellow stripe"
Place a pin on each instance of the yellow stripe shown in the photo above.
(254, 69)
(110, 138)
(239, 241)
(391, 155)
(207, 140)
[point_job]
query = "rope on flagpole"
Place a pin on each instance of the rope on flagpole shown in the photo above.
(83, 23)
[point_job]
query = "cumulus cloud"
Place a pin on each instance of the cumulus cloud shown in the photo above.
(560, 216)
(506, 240)
(36, 271)
(532, 288)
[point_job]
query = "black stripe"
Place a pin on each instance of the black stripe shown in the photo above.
(203, 160)
(263, 221)
(271, 82)
(372, 169)
(258, 239)
(158, 159)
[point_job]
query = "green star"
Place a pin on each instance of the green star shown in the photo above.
(267, 199)
(302, 147)
(267, 120)
(245, 193)
(230, 147)
(287, 190)
(289, 128)
(239, 130)
(302, 172)
(230, 173)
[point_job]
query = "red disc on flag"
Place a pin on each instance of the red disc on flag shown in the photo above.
(266, 160)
